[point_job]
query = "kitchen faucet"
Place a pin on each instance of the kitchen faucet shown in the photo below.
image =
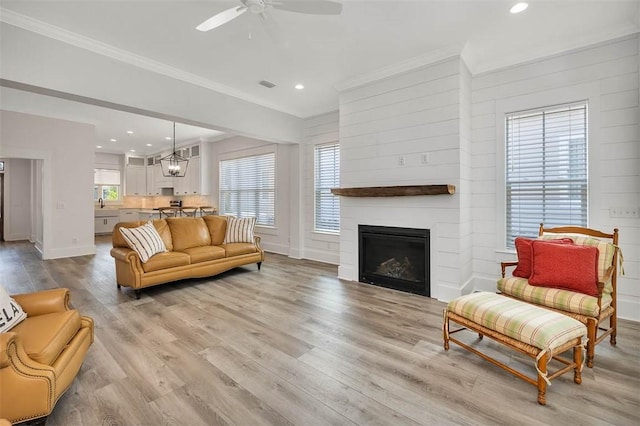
(101, 201)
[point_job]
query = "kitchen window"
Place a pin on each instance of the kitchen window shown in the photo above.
(327, 176)
(106, 184)
(546, 169)
(247, 188)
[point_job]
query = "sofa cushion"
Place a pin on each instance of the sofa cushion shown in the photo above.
(11, 312)
(205, 253)
(187, 232)
(236, 249)
(166, 260)
(523, 250)
(240, 230)
(144, 240)
(217, 228)
(45, 336)
(566, 266)
(606, 251)
(564, 300)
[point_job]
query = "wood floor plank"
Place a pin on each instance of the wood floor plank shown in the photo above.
(293, 344)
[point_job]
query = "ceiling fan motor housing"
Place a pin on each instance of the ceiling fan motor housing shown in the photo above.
(255, 6)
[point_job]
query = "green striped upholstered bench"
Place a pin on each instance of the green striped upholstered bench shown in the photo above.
(537, 332)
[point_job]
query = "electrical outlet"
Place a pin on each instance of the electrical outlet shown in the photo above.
(425, 158)
(401, 161)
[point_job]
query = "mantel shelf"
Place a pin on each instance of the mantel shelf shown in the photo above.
(395, 191)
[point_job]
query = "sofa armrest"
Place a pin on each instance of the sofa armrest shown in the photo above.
(125, 254)
(505, 265)
(44, 302)
(256, 240)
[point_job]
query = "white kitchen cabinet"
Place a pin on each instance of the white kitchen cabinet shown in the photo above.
(136, 180)
(194, 176)
(128, 215)
(105, 224)
(151, 181)
(160, 180)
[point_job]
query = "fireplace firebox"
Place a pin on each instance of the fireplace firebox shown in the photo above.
(395, 258)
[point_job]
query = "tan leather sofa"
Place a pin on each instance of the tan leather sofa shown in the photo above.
(40, 357)
(195, 249)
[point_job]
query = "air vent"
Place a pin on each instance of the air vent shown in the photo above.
(267, 84)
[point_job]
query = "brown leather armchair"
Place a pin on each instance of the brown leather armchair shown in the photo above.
(40, 357)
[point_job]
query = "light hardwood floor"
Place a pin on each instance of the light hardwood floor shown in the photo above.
(292, 344)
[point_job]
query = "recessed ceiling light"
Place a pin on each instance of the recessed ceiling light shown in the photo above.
(132, 150)
(98, 146)
(113, 140)
(299, 86)
(129, 132)
(168, 138)
(149, 144)
(519, 7)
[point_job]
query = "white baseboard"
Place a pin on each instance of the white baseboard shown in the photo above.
(346, 273)
(58, 253)
(323, 256)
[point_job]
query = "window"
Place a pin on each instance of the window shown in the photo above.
(106, 184)
(327, 176)
(247, 188)
(546, 169)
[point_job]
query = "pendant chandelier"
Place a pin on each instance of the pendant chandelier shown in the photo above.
(174, 165)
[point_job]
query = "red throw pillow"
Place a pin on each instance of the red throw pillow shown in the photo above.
(523, 249)
(566, 266)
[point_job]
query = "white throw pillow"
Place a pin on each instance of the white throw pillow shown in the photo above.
(10, 312)
(239, 230)
(144, 239)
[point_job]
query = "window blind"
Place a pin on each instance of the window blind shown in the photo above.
(327, 176)
(106, 177)
(546, 169)
(247, 188)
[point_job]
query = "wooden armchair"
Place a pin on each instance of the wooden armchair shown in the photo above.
(590, 310)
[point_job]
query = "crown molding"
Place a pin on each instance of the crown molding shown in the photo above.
(51, 31)
(400, 67)
(533, 55)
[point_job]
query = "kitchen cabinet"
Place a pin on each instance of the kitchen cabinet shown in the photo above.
(189, 184)
(105, 224)
(128, 215)
(136, 180)
(151, 181)
(160, 180)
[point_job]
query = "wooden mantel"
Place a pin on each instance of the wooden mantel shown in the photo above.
(395, 191)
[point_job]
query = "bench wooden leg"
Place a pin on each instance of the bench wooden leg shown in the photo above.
(445, 331)
(542, 383)
(577, 359)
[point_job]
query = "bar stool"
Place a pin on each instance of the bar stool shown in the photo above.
(208, 210)
(189, 211)
(167, 211)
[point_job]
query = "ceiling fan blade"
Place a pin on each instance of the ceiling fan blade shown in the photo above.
(221, 18)
(312, 7)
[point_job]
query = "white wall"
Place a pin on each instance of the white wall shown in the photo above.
(66, 149)
(318, 130)
(274, 239)
(408, 115)
(17, 198)
(606, 75)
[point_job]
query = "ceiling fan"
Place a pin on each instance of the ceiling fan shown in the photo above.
(258, 7)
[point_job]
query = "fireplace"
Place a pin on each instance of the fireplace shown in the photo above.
(395, 258)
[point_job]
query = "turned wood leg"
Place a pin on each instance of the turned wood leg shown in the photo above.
(259, 265)
(592, 328)
(613, 324)
(542, 384)
(445, 335)
(577, 359)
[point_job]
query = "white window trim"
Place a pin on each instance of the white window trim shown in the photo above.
(589, 92)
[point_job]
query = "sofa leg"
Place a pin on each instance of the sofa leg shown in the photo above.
(259, 265)
(137, 293)
(119, 286)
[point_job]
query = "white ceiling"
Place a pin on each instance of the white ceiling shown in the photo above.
(326, 52)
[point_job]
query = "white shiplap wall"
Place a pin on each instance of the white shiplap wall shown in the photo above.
(607, 75)
(408, 115)
(317, 130)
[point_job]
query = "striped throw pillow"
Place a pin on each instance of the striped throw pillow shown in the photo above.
(144, 240)
(239, 230)
(11, 312)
